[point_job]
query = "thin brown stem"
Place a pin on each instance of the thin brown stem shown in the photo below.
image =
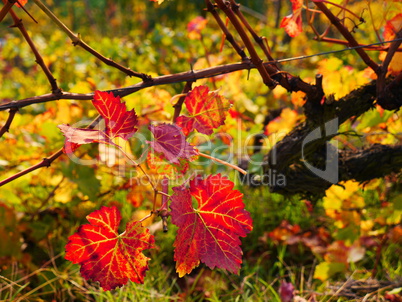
(10, 119)
(348, 36)
(78, 41)
(257, 38)
(211, 8)
(46, 162)
(250, 47)
(6, 8)
(393, 48)
(179, 104)
(223, 162)
(38, 58)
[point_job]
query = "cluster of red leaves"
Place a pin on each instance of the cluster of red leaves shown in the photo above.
(207, 233)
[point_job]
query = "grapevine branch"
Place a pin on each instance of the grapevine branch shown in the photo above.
(10, 119)
(188, 76)
(348, 36)
(250, 47)
(6, 8)
(211, 8)
(260, 40)
(18, 23)
(46, 162)
(78, 41)
(291, 83)
(361, 165)
(179, 104)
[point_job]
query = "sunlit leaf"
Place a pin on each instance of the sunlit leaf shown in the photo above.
(107, 256)
(209, 232)
(207, 111)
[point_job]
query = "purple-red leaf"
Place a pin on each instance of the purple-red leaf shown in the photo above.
(170, 141)
(107, 256)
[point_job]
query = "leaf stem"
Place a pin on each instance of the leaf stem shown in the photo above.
(223, 162)
(177, 107)
(348, 36)
(211, 8)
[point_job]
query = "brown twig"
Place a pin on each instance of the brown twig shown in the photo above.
(257, 38)
(247, 42)
(348, 36)
(187, 76)
(179, 104)
(6, 8)
(38, 58)
(6, 126)
(77, 41)
(384, 93)
(46, 162)
(211, 8)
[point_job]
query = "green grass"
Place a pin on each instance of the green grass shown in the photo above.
(265, 265)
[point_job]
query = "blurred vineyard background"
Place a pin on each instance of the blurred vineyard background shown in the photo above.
(315, 246)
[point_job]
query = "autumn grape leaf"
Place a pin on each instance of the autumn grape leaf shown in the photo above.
(293, 23)
(107, 256)
(170, 141)
(118, 123)
(209, 232)
(206, 109)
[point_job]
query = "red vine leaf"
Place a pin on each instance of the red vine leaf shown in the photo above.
(119, 123)
(170, 141)
(107, 256)
(209, 232)
(206, 109)
(293, 23)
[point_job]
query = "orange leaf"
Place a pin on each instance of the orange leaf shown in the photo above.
(207, 111)
(210, 231)
(21, 3)
(107, 256)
